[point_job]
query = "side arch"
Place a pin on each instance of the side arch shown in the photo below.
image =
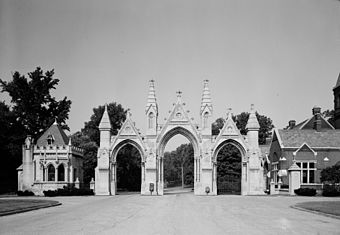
(116, 148)
(233, 142)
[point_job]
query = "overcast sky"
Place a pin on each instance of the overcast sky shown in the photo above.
(283, 56)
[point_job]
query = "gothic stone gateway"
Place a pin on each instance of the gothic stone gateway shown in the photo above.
(206, 147)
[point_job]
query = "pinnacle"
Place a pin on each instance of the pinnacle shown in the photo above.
(206, 97)
(252, 121)
(151, 101)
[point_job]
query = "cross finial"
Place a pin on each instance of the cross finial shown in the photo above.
(229, 112)
(179, 93)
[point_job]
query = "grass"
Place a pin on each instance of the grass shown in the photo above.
(328, 207)
(9, 206)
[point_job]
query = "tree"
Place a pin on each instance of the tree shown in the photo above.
(331, 174)
(266, 125)
(179, 165)
(34, 107)
(329, 116)
(89, 136)
(117, 116)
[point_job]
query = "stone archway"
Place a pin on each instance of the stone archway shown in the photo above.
(243, 163)
(113, 163)
(206, 147)
(162, 142)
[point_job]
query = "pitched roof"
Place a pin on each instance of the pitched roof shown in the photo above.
(338, 82)
(308, 124)
(295, 138)
(60, 138)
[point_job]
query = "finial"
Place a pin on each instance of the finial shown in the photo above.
(70, 141)
(55, 121)
(252, 107)
(179, 95)
(229, 113)
(128, 113)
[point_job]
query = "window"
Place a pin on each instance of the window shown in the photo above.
(205, 120)
(151, 116)
(50, 173)
(308, 170)
(275, 171)
(50, 139)
(75, 174)
(61, 173)
(35, 170)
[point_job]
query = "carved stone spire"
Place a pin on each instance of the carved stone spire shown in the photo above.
(252, 123)
(105, 122)
(206, 98)
(151, 102)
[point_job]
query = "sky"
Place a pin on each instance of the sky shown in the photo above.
(281, 55)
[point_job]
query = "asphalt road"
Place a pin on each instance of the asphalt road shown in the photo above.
(172, 214)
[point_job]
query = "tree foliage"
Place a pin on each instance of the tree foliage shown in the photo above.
(329, 116)
(33, 105)
(183, 156)
(128, 169)
(89, 136)
(331, 174)
(32, 110)
(266, 125)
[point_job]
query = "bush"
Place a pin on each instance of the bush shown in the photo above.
(330, 191)
(331, 174)
(68, 191)
(25, 193)
(305, 192)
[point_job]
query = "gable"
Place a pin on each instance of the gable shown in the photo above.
(304, 153)
(59, 136)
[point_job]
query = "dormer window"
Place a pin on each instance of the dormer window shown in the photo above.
(50, 139)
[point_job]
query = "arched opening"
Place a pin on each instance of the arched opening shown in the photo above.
(50, 173)
(128, 169)
(229, 168)
(61, 172)
(177, 164)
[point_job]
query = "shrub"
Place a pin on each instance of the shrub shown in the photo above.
(330, 191)
(331, 174)
(305, 192)
(68, 191)
(25, 193)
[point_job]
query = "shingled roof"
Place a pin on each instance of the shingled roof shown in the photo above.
(295, 138)
(60, 138)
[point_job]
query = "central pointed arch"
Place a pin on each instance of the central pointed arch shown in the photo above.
(163, 140)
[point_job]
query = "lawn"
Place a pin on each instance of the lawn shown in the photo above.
(9, 206)
(328, 207)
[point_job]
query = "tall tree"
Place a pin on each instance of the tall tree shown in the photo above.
(33, 109)
(33, 105)
(266, 125)
(88, 138)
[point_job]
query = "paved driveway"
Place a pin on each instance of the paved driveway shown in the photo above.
(172, 214)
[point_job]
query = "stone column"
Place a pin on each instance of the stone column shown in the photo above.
(294, 178)
(272, 187)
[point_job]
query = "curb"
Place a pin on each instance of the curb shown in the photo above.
(316, 212)
(29, 209)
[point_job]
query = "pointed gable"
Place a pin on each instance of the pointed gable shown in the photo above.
(59, 136)
(229, 129)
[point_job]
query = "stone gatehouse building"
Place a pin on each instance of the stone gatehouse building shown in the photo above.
(206, 147)
(50, 163)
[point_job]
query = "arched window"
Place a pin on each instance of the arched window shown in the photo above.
(205, 119)
(51, 173)
(61, 172)
(50, 139)
(151, 117)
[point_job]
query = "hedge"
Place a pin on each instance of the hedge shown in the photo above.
(305, 191)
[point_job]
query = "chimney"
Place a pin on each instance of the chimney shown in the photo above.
(316, 110)
(317, 118)
(291, 124)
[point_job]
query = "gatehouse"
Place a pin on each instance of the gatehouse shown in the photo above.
(206, 147)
